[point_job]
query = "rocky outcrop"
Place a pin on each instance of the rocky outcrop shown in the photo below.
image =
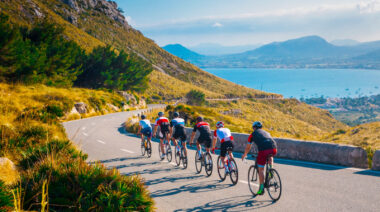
(131, 100)
(113, 107)
(81, 107)
(108, 8)
(376, 161)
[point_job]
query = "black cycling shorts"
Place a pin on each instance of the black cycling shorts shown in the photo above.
(147, 132)
(164, 130)
(179, 133)
(205, 141)
(224, 147)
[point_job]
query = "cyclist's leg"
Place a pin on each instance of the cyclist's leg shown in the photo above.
(162, 146)
(223, 151)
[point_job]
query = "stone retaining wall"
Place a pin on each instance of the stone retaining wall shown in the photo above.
(376, 161)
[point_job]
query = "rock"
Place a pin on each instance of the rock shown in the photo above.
(376, 161)
(73, 4)
(81, 107)
(113, 107)
(132, 101)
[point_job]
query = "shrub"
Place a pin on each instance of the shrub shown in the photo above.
(5, 198)
(195, 97)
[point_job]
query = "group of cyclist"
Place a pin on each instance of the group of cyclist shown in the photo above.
(175, 130)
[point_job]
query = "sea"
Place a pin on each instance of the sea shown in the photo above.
(305, 83)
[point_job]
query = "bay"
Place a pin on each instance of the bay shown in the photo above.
(305, 83)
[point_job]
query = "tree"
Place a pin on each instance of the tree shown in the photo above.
(195, 97)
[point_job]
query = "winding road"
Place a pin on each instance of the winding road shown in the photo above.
(306, 186)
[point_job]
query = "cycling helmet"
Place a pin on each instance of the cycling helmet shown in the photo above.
(257, 124)
(199, 119)
(160, 113)
(219, 124)
(143, 116)
(176, 114)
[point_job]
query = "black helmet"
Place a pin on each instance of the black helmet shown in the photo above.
(257, 124)
(160, 113)
(143, 116)
(199, 119)
(176, 114)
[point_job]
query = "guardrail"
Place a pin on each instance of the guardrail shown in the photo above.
(376, 161)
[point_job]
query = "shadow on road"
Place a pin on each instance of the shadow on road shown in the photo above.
(173, 179)
(153, 171)
(369, 172)
(199, 187)
(240, 203)
(134, 165)
(116, 160)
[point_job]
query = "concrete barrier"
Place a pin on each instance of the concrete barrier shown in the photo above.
(376, 161)
(319, 152)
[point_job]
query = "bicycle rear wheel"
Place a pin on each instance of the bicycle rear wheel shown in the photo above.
(159, 151)
(184, 159)
(274, 186)
(169, 152)
(208, 163)
(234, 173)
(177, 156)
(253, 177)
(149, 149)
(143, 147)
(221, 169)
(198, 163)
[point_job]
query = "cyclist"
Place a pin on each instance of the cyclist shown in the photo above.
(145, 128)
(163, 122)
(177, 130)
(266, 146)
(205, 136)
(226, 139)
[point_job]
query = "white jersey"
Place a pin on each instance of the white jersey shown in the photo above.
(224, 134)
(145, 124)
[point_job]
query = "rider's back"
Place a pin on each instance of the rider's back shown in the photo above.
(262, 139)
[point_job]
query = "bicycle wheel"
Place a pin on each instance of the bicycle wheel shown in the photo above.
(169, 152)
(184, 158)
(253, 177)
(177, 156)
(159, 151)
(274, 187)
(198, 163)
(234, 173)
(143, 147)
(208, 164)
(149, 149)
(221, 170)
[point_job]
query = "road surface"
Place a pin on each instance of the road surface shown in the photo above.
(306, 186)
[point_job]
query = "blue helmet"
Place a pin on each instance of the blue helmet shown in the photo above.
(257, 124)
(160, 113)
(143, 116)
(176, 114)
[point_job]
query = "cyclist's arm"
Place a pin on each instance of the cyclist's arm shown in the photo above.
(139, 129)
(214, 142)
(247, 148)
(154, 130)
(192, 137)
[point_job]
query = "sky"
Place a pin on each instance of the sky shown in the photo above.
(242, 22)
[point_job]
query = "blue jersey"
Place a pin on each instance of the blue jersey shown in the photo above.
(177, 122)
(145, 124)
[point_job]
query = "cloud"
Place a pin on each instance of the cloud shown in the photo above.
(130, 21)
(217, 24)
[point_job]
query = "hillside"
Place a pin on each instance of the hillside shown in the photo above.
(182, 52)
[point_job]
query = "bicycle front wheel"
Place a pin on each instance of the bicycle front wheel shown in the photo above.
(253, 177)
(149, 149)
(198, 163)
(177, 156)
(274, 186)
(234, 173)
(143, 147)
(221, 169)
(208, 163)
(184, 159)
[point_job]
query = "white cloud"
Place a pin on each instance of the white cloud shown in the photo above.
(130, 21)
(217, 24)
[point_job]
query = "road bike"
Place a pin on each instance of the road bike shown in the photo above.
(180, 155)
(146, 147)
(231, 166)
(203, 159)
(272, 180)
(167, 149)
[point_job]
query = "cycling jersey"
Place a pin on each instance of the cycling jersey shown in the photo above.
(145, 123)
(179, 128)
(161, 121)
(164, 126)
(205, 133)
(224, 134)
(262, 139)
(177, 122)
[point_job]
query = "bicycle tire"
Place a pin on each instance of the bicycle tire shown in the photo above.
(184, 159)
(149, 149)
(169, 155)
(253, 179)
(234, 172)
(274, 182)
(208, 164)
(221, 170)
(177, 157)
(159, 151)
(198, 163)
(143, 147)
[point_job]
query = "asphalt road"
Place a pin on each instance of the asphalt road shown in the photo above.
(306, 186)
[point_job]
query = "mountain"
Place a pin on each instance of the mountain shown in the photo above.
(182, 52)
(214, 49)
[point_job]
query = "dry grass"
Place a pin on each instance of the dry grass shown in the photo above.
(9, 174)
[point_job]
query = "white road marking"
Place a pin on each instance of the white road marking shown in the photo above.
(101, 141)
(124, 150)
(83, 128)
(242, 181)
(85, 134)
(173, 163)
